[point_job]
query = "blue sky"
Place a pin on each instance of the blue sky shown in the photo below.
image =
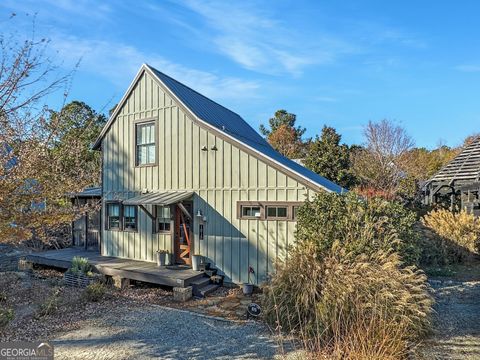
(330, 62)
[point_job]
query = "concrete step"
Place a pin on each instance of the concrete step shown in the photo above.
(208, 289)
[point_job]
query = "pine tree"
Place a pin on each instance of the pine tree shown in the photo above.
(327, 157)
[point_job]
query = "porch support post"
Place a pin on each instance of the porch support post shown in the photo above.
(86, 230)
(180, 205)
(149, 214)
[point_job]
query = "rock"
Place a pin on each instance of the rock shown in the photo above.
(120, 283)
(229, 305)
(182, 294)
(241, 313)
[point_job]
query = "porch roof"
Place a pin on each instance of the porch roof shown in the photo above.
(159, 198)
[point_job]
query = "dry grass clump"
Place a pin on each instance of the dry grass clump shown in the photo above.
(365, 306)
(6, 315)
(345, 290)
(458, 234)
(95, 292)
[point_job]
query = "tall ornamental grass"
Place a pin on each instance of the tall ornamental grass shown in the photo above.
(345, 290)
(458, 234)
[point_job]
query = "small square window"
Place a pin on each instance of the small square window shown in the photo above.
(276, 212)
(163, 218)
(295, 209)
(250, 211)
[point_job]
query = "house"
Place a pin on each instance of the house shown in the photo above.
(458, 182)
(184, 174)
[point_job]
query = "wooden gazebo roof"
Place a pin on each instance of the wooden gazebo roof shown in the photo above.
(465, 166)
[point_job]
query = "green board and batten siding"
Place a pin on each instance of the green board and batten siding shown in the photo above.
(219, 179)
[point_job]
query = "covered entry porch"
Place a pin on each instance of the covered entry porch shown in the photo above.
(171, 213)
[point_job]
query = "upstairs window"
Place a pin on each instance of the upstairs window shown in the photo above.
(145, 144)
(163, 218)
(130, 218)
(113, 216)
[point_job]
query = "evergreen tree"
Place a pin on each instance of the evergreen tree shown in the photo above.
(327, 157)
(284, 136)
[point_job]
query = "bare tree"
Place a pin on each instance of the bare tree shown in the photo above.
(36, 170)
(379, 164)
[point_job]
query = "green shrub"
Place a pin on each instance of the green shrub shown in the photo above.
(450, 237)
(361, 226)
(95, 292)
(6, 315)
(80, 265)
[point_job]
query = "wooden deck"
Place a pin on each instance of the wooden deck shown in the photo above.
(126, 268)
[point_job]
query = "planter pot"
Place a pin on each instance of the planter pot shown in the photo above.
(196, 260)
(247, 289)
(79, 280)
(168, 259)
(161, 259)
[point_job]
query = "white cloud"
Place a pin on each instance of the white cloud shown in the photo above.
(254, 39)
(468, 68)
(118, 62)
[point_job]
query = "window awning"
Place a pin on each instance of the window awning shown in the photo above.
(159, 198)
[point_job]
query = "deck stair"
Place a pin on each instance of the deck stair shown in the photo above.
(206, 285)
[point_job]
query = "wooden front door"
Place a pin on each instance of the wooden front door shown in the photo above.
(183, 235)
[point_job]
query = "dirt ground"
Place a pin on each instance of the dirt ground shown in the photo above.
(45, 309)
(43, 305)
(140, 322)
(456, 323)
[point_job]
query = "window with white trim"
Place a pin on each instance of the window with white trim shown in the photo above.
(163, 218)
(145, 145)
(129, 218)
(113, 216)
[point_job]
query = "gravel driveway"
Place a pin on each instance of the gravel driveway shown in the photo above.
(456, 326)
(151, 331)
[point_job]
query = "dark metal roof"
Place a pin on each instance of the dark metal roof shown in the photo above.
(88, 192)
(232, 124)
(159, 198)
(465, 166)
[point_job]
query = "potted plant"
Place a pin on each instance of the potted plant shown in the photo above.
(196, 260)
(248, 286)
(161, 256)
(80, 273)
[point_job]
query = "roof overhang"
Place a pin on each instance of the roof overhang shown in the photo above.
(94, 192)
(159, 198)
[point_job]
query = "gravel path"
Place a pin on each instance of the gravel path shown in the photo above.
(456, 327)
(151, 331)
